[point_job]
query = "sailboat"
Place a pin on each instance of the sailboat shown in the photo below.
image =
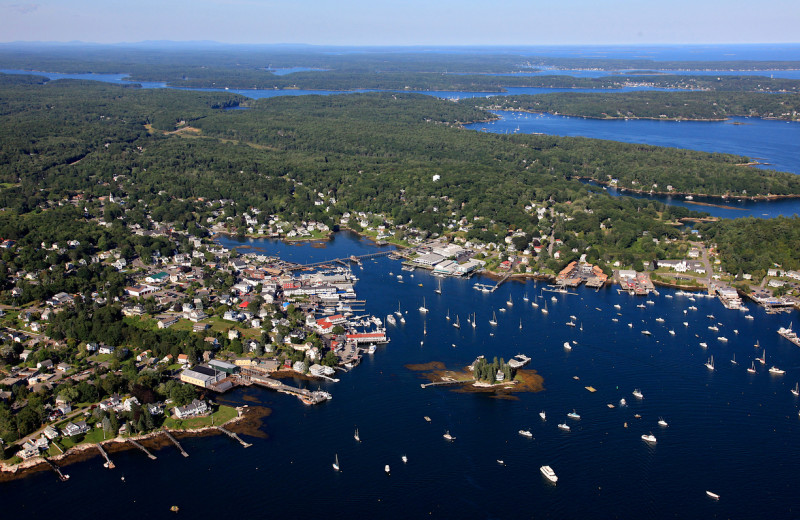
(796, 390)
(525, 297)
(448, 315)
(423, 309)
(356, 436)
(398, 313)
(336, 462)
(474, 317)
(424, 329)
(733, 361)
(520, 324)
(763, 358)
(457, 324)
(752, 368)
(493, 321)
(545, 311)
(710, 363)
(510, 302)
(438, 290)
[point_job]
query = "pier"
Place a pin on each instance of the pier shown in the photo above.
(453, 382)
(108, 464)
(233, 436)
(252, 376)
(54, 467)
(176, 443)
(354, 259)
(502, 280)
(145, 450)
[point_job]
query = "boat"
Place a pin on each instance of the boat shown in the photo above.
(534, 305)
(692, 308)
(402, 319)
(526, 433)
(543, 415)
(641, 306)
(545, 311)
(704, 344)
(448, 315)
(510, 302)
(371, 349)
(777, 371)
(501, 462)
(733, 361)
(714, 328)
(722, 339)
(404, 459)
(617, 306)
(573, 414)
(399, 276)
(763, 358)
(336, 462)
(493, 321)
(671, 332)
(525, 297)
(748, 317)
(427, 419)
(390, 319)
(646, 332)
(638, 394)
(548, 472)
(662, 422)
(567, 346)
(623, 402)
(630, 325)
(457, 324)
(438, 290)
(649, 438)
(796, 390)
(660, 320)
(520, 324)
(650, 302)
(398, 313)
(448, 436)
(710, 316)
(710, 363)
(570, 323)
(387, 469)
(712, 495)
(564, 426)
(474, 317)
(356, 436)
(685, 323)
(752, 368)
(423, 309)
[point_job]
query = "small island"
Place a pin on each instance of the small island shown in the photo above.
(497, 377)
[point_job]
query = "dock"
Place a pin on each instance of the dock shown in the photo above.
(108, 464)
(453, 382)
(145, 450)
(54, 467)
(502, 280)
(354, 259)
(176, 443)
(233, 436)
(253, 376)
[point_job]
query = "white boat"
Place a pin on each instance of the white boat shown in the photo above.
(660, 320)
(548, 472)
(387, 469)
(448, 436)
(404, 459)
(752, 368)
(617, 306)
(423, 309)
(704, 344)
(438, 290)
(672, 332)
(564, 426)
(623, 402)
(510, 303)
(573, 415)
(763, 358)
(662, 422)
(534, 305)
(390, 319)
(733, 361)
(501, 462)
(692, 308)
(525, 297)
(796, 390)
(712, 495)
(553, 299)
(570, 323)
(526, 433)
(630, 325)
(457, 324)
(685, 323)
(710, 316)
(714, 328)
(614, 320)
(748, 317)
(402, 319)
(638, 394)
(356, 436)
(427, 419)
(520, 324)
(650, 302)
(567, 346)
(543, 415)
(493, 321)
(641, 306)
(722, 339)
(474, 317)
(545, 311)
(398, 313)
(710, 363)
(336, 462)
(572, 317)
(646, 332)
(649, 438)
(777, 371)
(371, 349)
(448, 315)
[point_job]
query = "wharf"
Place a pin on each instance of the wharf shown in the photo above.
(108, 464)
(145, 450)
(352, 258)
(56, 469)
(233, 436)
(252, 376)
(176, 443)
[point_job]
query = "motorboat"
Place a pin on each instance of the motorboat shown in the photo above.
(646, 332)
(404, 459)
(712, 495)
(564, 426)
(573, 415)
(662, 422)
(543, 415)
(649, 438)
(387, 469)
(777, 371)
(638, 394)
(548, 472)
(704, 344)
(567, 346)
(623, 402)
(448, 436)
(526, 433)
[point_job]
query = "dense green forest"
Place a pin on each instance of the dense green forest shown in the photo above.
(656, 105)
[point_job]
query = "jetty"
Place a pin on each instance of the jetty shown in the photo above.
(253, 376)
(449, 382)
(145, 450)
(108, 464)
(233, 436)
(54, 467)
(176, 443)
(354, 259)
(502, 280)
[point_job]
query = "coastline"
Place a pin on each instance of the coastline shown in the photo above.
(693, 194)
(86, 451)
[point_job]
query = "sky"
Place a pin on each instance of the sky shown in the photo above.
(403, 22)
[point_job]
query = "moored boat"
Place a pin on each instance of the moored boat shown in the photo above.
(649, 438)
(548, 472)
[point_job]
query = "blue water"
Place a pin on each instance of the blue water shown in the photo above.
(581, 73)
(729, 432)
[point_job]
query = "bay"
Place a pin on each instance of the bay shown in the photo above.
(729, 432)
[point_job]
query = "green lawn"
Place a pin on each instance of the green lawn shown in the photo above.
(222, 415)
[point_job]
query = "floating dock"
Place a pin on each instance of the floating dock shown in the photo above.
(54, 467)
(145, 450)
(176, 443)
(108, 464)
(233, 436)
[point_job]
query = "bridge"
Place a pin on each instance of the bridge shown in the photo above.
(354, 259)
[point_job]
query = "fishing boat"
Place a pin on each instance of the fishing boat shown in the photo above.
(457, 324)
(796, 390)
(662, 422)
(493, 321)
(404, 459)
(567, 346)
(573, 414)
(712, 495)
(356, 436)
(752, 368)
(526, 433)
(638, 394)
(336, 462)
(543, 415)
(423, 309)
(548, 472)
(649, 438)
(448, 436)
(777, 371)
(710, 363)
(564, 426)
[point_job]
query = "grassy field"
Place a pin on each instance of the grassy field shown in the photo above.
(222, 415)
